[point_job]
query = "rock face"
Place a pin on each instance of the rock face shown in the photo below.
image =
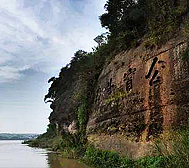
(63, 115)
(140, 94)
(143, 92)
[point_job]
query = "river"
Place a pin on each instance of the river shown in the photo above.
(13, 154)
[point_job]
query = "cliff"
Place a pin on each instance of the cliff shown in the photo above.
(140, 94)
(133, 87)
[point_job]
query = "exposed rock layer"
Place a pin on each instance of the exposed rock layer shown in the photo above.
(143, 92)
(140, 94)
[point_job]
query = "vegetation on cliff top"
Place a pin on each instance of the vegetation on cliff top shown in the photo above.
(72, 93)
(129, 22)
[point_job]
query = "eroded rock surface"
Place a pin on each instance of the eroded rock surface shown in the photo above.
(143, 92)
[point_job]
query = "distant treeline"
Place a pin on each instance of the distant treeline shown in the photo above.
(8, 136)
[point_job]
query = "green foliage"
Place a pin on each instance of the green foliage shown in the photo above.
(186, 30)
(114, 98)
(53, 89)
(164, 157)
(130, 20)
(151, 162)
(122, 15)
(126, 21)
(165, 19)
(45, 140)
(40, 142)
(180, 157)
(175, 149)
(51, 128)
(105, 159)
(185, 56)
(75, 84)
(180, 144)
(81, 117)
(171, 153)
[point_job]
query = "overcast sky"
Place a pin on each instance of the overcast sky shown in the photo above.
(37, 38)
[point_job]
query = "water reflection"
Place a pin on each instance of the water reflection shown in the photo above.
(13, 154)
(56, 161)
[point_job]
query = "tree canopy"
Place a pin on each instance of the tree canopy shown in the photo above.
(135, 18)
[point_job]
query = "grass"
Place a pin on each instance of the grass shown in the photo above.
(106, 159)
(171, 151)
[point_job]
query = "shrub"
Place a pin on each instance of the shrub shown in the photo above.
(105, 159)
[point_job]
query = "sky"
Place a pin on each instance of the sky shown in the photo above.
(37, 38)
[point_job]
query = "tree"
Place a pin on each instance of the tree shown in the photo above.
(122, 15)
(101, 39)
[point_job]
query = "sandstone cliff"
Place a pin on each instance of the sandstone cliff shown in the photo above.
(141, 93)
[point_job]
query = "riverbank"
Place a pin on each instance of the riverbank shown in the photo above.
(14, 154)
(171, 151)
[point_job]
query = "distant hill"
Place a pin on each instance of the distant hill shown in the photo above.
(9, 136)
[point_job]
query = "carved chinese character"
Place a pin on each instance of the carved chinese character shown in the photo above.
(128, 78)
(155, 75)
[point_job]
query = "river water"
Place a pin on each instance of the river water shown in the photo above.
(13, 154)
